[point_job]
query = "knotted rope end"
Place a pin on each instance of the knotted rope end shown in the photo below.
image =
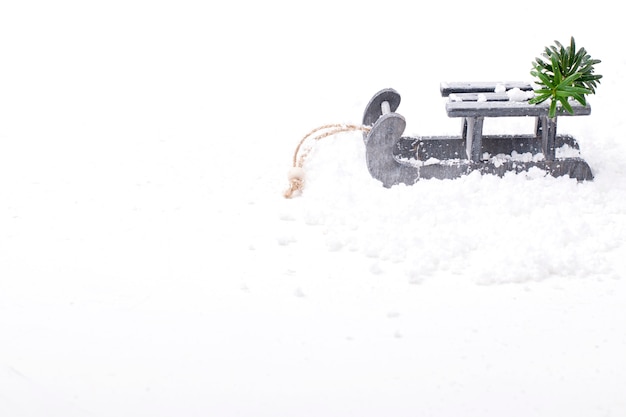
(296, 182)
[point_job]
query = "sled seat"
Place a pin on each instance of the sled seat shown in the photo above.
(473, 101)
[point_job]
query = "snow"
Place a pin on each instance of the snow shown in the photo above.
(516, 94)
(150, 265)
(501, 158)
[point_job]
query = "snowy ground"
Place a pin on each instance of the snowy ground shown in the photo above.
(149, 265)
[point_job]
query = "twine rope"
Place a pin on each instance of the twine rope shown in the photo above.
(296, 174)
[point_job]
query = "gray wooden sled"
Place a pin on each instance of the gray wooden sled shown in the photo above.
(394, 159)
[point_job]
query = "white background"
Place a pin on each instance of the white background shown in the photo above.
(149, 265)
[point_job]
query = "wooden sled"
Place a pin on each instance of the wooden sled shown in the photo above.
(394, 159)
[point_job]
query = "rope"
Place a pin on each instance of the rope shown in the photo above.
(296, 173)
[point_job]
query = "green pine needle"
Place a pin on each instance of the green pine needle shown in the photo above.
(564, 73)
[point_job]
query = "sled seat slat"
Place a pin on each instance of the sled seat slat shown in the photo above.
(480, 97)
(481, 87)
(507, 108)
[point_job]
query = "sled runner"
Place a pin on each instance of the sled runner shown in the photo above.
(394, 159)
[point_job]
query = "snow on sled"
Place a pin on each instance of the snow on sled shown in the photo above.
(394, 159)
